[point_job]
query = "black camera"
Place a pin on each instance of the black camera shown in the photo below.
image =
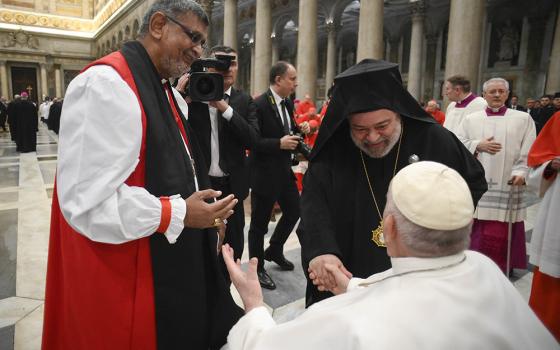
(205, 86)
(302, 148)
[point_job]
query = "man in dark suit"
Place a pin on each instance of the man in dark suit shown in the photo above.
(272, 178)
(225, 129)
(514, 104)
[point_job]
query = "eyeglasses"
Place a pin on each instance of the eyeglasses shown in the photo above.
(196, 37)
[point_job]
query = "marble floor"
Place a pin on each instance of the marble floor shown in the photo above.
(26, 185)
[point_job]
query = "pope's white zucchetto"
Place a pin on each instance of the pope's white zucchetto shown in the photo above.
(433, 196)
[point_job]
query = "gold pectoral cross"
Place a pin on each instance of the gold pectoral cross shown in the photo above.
(377, 235)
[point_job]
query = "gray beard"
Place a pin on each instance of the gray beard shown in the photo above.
(393, 139)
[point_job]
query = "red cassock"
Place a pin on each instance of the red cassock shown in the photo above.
(439, 116)
(303, 107)
(99, 293)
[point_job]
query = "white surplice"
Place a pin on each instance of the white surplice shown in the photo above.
(464, 302)
(545, 241)
(454, 116)
(515, 131)
(99, 147)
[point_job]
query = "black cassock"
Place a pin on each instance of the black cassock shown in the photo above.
(26, 129)
(338, 212)
(12, 118)
(54, 116)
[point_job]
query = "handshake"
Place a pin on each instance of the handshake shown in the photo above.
(329, 274)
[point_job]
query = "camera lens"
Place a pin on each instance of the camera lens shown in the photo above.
(205, 86)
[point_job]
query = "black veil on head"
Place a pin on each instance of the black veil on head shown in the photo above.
(367, 86)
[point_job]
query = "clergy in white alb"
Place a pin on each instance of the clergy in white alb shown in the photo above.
(435, 296)
(501, 139)
(544, 160)
(463, 101)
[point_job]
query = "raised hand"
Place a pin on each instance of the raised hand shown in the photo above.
(201, 214)
(246, 283)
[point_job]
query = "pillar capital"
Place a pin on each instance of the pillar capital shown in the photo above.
(331, 26)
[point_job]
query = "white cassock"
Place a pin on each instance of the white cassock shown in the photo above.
(545, 241)
(459, 302)
(456, 111)
(515, 131)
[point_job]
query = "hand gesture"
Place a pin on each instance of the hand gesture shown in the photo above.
(341, 280)
(182, 82)
(305, 128)
(516, 180)
(289, 142)
(246, 283)
(201, 214)
(489, 146)
(220, 105)
(321, 276)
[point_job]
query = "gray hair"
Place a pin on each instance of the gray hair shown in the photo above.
(495, 80)
(426, 242)
(172, 8)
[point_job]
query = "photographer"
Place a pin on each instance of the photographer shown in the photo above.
(225, 129)
(272, 179)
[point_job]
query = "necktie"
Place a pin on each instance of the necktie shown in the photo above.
(285, 117)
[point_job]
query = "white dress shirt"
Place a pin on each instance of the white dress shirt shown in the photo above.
(99, 147)
(215, 169)
(278, 99)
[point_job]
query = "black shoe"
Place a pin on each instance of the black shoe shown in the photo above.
(265, 280)
(279, 259)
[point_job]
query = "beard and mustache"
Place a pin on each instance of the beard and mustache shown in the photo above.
(388, 143)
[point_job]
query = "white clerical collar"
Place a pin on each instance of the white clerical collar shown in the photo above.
(410, 264)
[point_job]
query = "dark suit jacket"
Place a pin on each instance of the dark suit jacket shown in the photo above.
(235, 136)
(518, 108)
(271, 167)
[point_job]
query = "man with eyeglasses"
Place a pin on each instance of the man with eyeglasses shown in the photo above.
(500, 138)
(226, 129)
(132, 257)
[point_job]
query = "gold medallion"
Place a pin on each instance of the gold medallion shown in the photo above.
(377, 235)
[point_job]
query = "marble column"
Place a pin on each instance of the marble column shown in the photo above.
(430, 71)
(263, 49)
(553, 74)
(331, 56)
(252, 68)
(58, 82)
(464, 39)
(4, 80)
(230, 23)
(370, 31)
(415, 62)
(44, 86)
(307, 49)
(275, 48)
(394, 49)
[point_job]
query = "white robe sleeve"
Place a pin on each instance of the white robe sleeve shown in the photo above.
(520, 167)
(464, 135)
(536, 181)
(99, 146)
